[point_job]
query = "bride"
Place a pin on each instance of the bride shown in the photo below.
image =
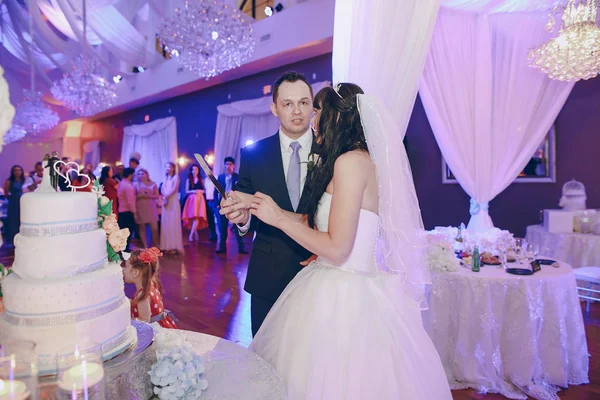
(349, 325)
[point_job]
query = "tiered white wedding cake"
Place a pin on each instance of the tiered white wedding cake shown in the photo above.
(64, 290)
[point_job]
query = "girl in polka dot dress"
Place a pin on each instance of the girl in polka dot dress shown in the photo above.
(141, 269)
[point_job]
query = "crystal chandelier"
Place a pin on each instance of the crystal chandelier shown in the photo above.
(33, 115)
(575, 53)
(209, 37)
(15, 133)
(83, 90)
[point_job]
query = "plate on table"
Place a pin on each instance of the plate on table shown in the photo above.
(519, 271)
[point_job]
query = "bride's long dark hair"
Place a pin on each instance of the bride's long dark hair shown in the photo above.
(339, 131)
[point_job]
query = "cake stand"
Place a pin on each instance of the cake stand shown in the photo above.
(126, 375)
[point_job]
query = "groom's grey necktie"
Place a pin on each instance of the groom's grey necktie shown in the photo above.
(293, 175)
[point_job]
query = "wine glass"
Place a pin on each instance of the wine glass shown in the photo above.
(529, 251)
(518, 247)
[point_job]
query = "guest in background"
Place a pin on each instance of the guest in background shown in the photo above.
(229, 179)
(13, 189)
(118, 176)
(170, 230)
(34, 179)
(159, 205)
(147, 193)
(127, 204)
(110, 187)
(134, 163)
(81, 184)
(63, 185)
(211, 208)
(194, 210)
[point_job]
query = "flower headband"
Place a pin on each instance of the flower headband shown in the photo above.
(150, 255)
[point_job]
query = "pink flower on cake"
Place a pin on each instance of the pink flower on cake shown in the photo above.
(110, 224)
(118, 239)
(104, 201)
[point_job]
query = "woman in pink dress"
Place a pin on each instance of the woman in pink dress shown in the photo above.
(147, 194)
(194, 210)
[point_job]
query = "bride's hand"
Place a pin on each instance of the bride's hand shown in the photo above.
(265, 208)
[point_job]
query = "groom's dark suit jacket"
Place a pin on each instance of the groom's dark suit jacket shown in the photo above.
(275, 258)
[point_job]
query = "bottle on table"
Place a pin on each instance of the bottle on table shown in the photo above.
(476, 264)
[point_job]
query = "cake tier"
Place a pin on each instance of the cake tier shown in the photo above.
(42, 257)
(58, 208)
(55, 333)
(64, 295)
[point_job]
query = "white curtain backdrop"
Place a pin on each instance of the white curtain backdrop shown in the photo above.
(91, 153)
(245, 120)
(489, 111)
(382, 46)
(156, 142)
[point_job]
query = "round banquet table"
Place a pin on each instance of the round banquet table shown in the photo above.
(234, 372)
(508, 334)
(578, 249)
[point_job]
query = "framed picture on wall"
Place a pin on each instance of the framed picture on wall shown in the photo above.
(541, 168)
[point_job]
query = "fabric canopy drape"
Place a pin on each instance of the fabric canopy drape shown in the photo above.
(488, 110)
(382, 47)
(245, 120)
(156, 142)
(91, 153)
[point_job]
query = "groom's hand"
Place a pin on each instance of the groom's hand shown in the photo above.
(236, 206)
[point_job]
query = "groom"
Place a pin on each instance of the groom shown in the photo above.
(276, 166)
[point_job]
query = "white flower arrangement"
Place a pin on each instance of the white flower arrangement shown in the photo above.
(178, 372)
(440, 254)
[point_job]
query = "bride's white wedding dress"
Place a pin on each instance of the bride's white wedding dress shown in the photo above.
(347, 332)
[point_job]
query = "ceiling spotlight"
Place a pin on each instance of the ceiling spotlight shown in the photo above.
(279, 7)
(138, 69)
(268, 11)
(174, 53)
(117, 78)
(249, 142)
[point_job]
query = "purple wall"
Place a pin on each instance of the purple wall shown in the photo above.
(577, 157)
(577, 142)
(196, 113)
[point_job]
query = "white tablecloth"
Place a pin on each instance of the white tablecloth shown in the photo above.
(508, 334)
(234, 372)
(577, 249)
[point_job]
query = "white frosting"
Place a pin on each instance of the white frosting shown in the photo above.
(49, 296)
(51, 340)
(57, 256)
(63, 290)
(58, 207)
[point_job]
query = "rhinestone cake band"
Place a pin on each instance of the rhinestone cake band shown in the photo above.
(34, 230)
(53, 320)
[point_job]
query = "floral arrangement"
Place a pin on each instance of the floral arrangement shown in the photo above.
(116, 239)
(178, 372)
(440, 254)
(4, 272)
(493, 240)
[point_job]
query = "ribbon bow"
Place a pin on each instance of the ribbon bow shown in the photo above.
(477, 207)
(150, 255)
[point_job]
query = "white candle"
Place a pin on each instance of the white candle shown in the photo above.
(13, 390)
(84, 375)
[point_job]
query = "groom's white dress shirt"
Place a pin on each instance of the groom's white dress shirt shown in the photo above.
(286, 154)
